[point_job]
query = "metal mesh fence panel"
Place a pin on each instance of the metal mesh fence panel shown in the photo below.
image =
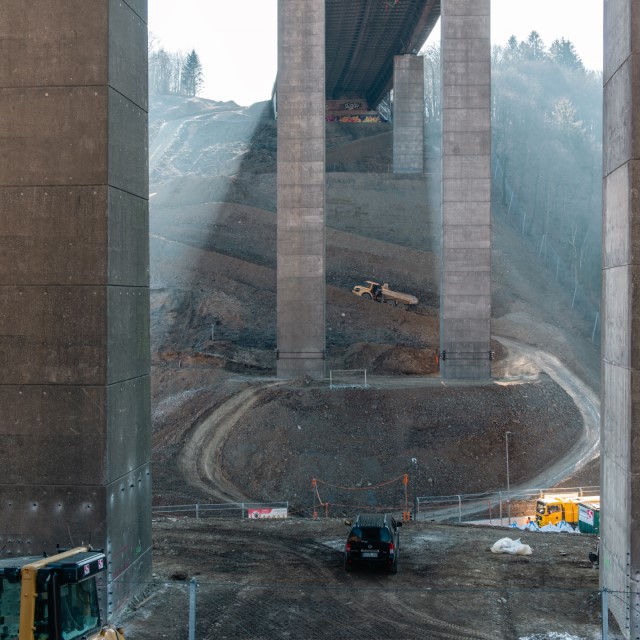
(368, 609)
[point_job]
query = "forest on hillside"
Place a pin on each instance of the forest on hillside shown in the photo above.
(546, 149)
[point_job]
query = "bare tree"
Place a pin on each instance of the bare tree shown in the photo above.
(432, 69)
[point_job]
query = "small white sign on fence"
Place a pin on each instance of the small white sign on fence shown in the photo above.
(271, 512)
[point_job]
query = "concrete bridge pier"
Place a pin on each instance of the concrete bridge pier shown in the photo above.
(620, 407)
(465, 294)
(301, 188)
(74, 327)
(408, 114)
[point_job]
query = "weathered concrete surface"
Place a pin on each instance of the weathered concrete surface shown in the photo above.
(408, 114)
(465, 310)
(74, 332)
(301, 188)
(620, 439)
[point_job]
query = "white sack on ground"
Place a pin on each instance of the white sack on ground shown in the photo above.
(515, 547)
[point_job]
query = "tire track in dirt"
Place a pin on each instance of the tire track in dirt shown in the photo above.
(586, 447)
(200, 459)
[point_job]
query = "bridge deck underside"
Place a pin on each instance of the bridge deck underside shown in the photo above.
(362, 36)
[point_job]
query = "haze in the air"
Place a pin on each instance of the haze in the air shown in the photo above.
(236, 40)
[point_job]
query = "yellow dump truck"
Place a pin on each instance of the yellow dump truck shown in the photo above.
(382, 293)
(53, 598)
(555, 508)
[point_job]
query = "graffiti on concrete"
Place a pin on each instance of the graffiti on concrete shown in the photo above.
(355, 118)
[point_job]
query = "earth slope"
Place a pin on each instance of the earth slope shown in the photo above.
(213, 323)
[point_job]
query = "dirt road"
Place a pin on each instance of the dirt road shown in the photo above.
(200, 458)
(587, 447)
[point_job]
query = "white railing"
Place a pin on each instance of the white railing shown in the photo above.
(252, 510)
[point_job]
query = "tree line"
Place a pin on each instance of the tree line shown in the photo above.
(174, 72)
(546, 116)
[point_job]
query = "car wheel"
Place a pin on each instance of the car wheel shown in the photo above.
(366, 296)
(394, 567)
(347, 566)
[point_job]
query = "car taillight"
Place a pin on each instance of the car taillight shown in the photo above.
(391, 547)
(348, 547)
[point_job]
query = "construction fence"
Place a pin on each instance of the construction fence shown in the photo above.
(251, 510)
(206, 610)
(499, 508)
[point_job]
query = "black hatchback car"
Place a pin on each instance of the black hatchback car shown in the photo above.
(374, 539)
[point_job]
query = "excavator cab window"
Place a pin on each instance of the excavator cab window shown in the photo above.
(79, 612)
(9, 609)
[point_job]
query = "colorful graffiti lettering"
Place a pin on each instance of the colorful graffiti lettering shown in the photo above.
(354, 118)
(351, 106)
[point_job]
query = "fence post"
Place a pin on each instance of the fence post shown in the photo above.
(605, 613)
(192, 609)
(500, 496)
(459, 509)
(197, 510)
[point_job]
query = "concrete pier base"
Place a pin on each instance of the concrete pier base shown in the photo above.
(465, 307)
(74, 328)
(301, 188)
(620, 407)
(408, 114)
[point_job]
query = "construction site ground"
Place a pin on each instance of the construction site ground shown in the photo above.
(267, 579)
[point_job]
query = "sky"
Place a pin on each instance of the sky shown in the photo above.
(236, 39)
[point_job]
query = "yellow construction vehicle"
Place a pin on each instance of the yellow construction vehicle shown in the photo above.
(53, 598)
(381, 293)
(553, 509)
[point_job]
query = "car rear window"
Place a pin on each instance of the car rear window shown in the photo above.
(370, 534)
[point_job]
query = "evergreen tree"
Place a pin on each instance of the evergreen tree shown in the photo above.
(534, 48)
(564, 53)
(192, 77)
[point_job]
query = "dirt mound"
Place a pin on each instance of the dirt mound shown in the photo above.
(354, 437)
(390, 359)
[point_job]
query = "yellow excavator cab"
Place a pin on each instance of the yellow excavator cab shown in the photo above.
(53, 598)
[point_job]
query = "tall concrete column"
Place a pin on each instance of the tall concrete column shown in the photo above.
(620, 407)
(465, 306)
(408, 114)
(301, 188)
(74, 326)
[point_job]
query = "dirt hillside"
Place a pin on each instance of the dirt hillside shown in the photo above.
(213, 319)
